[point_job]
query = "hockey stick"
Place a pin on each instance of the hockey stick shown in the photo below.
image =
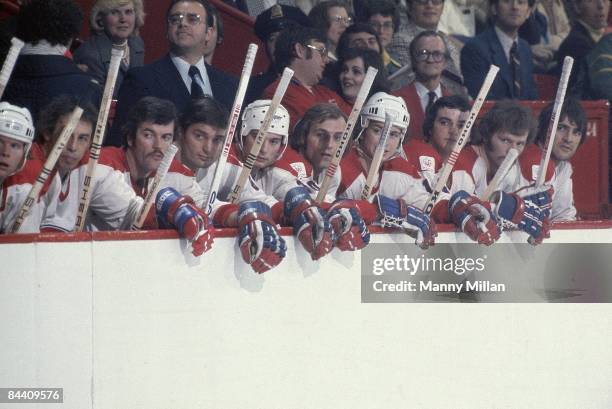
(377, 159)
(261, 135)
(399, 72)
(9, 63)
(231, 127)
(96, 143)
(162, 169)
(461, 141)
(52, 158)
(501, 172)
(348, 131)
(568, 62)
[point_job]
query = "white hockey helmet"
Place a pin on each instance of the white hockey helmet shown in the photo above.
(253, 117)
(16, 123)
(382, 103)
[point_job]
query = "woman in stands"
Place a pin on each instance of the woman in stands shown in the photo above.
(352, 68)
(113, 23)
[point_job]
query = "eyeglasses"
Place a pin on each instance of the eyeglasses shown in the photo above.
(436, 56)
(322, 50)
(387, 26)
(340, 19)
(424, 2)
(191, 18)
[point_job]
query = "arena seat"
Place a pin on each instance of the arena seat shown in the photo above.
(547, 85)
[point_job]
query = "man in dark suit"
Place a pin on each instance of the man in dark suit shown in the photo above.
(500, 45)
(182, 75)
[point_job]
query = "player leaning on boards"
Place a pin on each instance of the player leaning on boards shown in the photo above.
(17, 173)
(200, 139)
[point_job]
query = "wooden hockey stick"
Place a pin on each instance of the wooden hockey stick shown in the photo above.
(377, 159)
(231, 126)
(568, 62)
(162, 169)
(461, 141)
(96, 143)
(261, 135)
(52, 158)
(499, 175)
(366, 85)
(9, 63)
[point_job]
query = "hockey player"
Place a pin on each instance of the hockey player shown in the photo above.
(201, 133)
(17, 174)
(442, 126)
(400, 188)
(507, 125)
(571, 133)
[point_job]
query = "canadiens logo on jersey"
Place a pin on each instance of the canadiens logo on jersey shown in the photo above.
(428, 163)
(300, 169)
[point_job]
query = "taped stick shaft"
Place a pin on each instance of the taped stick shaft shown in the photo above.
(447, 168)
(261, 135)
(155, 185)
(52, 158)
(96, 143)
(551, 133)
(366, 85)
(377, 159)
(9, 63)
(231, 128)
(499, 175)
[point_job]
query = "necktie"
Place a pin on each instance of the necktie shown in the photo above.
(515, 64)
(196, 90)
(432, 98)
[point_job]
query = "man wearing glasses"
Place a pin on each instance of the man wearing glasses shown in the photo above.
(424, 15)
(500, 44)
(303, 50)
(182, 75)
(429, 58)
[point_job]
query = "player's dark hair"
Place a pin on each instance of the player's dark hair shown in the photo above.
(451, 102)
(315, 115)
(205, 110)
(571, 110)
(59, 107)
(204, 3)
(506, 115)
(56, 21)
(284, 52)
(149, 109)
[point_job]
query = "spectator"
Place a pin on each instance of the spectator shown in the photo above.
(216, 36)
(360, 35)
(333, 17)
(268, 26)
(112, 22)
(383, 16)
(459, 18)
(599, 64)
(303, 50)
(557, 29)
(353, 65)
(592, 19)
(424, 15)
(500, 45)
(43, 71)
(429, 57)
(181, 75)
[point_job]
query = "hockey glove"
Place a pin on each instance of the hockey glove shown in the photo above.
(396, 213)
(260, 244)
(541, 197)
(521, 214)
(309, 222)
(474, 218)
(349, 228)
(179, 212)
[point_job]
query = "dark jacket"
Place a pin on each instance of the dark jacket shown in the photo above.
(37, 79)
(161, 79)
(96, 54)
(485, 49)
(577, 45)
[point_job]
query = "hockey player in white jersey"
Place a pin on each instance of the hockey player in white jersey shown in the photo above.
(400, 193)
(571, 133)
(17, 173)
(201, 133)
